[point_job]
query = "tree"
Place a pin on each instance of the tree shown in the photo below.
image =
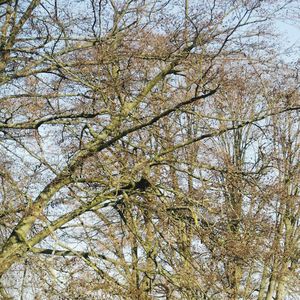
(146, 151)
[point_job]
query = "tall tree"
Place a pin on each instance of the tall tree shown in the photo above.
(146, 151)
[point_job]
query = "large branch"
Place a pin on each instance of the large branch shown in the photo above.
(54, 119)
(18, 247)
(85, 256)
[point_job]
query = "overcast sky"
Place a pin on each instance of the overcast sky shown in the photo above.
(290, 37)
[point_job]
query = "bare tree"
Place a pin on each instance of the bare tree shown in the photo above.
(146, 151)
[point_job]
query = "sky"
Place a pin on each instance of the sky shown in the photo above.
(290, 37)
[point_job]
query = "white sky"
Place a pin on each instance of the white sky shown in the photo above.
(290, 38)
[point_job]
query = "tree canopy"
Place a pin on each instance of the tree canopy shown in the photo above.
(149, 150)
